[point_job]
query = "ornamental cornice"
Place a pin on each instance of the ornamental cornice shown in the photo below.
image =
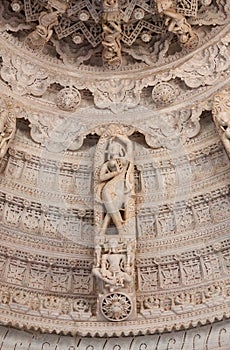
(47, 127)
(10, 44)
(95, 328)
(186, 81)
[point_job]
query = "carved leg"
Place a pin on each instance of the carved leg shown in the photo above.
(105, 224)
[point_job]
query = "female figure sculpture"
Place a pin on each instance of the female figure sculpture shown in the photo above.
(7, 131)
(116, 182)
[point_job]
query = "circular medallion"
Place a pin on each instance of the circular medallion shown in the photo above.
(116, 307)
(192, 43)
(68, 99)
(164, 93)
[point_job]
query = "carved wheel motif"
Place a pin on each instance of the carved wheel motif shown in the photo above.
(164, 93)
(68, 99)
(116, 307)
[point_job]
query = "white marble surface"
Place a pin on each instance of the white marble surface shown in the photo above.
(210, 337)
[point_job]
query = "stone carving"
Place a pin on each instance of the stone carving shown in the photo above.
(150, 306)
(206, 66)
(7, 127)
(183, 302)
(24, 76)
(116, 183)
(114, 235)
(116, 306)
(117, 94)
(114, 263)
(119, 213)
(49, 131)
(43, 31)
(111, 36)
(135, 27)
(68, 99)
(16, 5)
(212, 335)
(116, 255)
(164, 93)
(221, 116)
(177, 24)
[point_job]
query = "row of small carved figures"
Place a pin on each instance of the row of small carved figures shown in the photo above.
(53, 306)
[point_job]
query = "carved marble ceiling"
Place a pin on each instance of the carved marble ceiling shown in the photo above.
(95, 89)
(58, 61)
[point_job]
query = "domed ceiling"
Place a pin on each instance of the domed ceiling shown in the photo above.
(114, 165)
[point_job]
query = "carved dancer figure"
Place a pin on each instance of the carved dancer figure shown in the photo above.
(223, 119)
(111, 53)
(177, 23)
(43, 32)
(7, 130)
(221, 116)
(116, 182)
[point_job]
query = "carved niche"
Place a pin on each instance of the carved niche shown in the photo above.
(115, 231)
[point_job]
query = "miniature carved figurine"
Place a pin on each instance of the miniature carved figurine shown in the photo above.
(182, 299)
(7, 130)
(116, 183)
(60, 5)
(43, 32)
(116, 265)
(111, 53)
(152, 303)
(177, 23)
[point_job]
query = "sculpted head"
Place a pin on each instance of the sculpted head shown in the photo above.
(115, 149)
